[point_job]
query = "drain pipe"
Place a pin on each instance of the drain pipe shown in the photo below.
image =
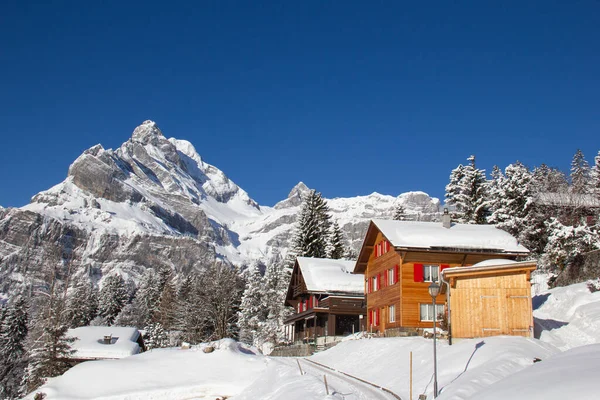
(448, 302)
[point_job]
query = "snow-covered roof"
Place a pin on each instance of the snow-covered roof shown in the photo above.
(491, 265)
(327, 275)
(90, 342)
(567, 199)
(432, 235)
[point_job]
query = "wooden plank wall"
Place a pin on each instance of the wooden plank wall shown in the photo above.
(492, 305)
(387, 296)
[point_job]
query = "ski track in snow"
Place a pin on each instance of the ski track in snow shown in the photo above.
(339, 385)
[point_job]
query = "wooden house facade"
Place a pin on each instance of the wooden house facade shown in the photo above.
(328, 300)
(400, 259)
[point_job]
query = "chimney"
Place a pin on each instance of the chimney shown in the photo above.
(108, 339)
(446, 222)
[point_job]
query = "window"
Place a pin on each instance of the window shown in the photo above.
(431, 273)
(381, 248)
(374, 317)
(427, 311)
(376, 283)
(392, 275)
(392, 313)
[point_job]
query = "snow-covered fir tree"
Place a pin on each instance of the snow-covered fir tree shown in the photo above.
(466, 192)
(514, 208)
(82, 305)
(155, 336)
(565, 244)
(147, 298)
(253, 310)
(13, 356)
(276, 281)
(50, 347)
(400, 212)
(112, 298)
(167, 306)
(190, 316)
(312, 228)
(580, 174)
(595, 176)
(549, 180)
(336, 248)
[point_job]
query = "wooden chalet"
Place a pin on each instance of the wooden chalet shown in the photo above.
(328, 300)
(490, 298)
(400, 259)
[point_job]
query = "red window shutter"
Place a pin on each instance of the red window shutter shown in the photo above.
(310, 305)
(418, 272)
(386, 282)
(396, 273)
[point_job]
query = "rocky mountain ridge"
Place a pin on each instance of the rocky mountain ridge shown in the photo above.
(154, 202)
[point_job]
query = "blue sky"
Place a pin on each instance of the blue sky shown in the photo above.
(349, 97)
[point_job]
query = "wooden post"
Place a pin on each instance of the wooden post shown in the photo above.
(411, 375)
(299, 367)
(326, 387)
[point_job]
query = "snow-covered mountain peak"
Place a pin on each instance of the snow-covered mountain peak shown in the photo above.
(147, 132)
(294, 197)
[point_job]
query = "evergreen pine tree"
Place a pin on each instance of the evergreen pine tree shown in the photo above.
(549, 180)
(466, 192)
(595, 176)
(82, 305)
(312, 228)
(190, 316)
(400, 213)
(147, 298)
(253, 310)
(51, 347)
(155, 336)
(336, 248)
(580, 173)
(13, 357)
(276, 280)
(112, 298)
(167, 306)
(514, 209)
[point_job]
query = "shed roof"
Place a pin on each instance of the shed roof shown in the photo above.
(328, 275)
(90, 342)
(490, 267)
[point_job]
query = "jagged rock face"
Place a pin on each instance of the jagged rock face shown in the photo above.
(153, 202)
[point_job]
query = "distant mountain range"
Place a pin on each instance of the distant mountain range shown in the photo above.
(154, 202)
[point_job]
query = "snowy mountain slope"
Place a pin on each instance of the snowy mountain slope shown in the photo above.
(152, 193)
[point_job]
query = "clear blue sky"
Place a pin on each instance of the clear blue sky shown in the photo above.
(349, 97)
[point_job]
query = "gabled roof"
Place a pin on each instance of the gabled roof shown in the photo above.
(432, 236)
(90, 345)
(324, 275)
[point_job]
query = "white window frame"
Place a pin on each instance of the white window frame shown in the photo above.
(392, 313)
(391, 275)
(376, 282)
(429, 308)
(428, 277)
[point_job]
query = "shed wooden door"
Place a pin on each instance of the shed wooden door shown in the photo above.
(490, 306)
(518, 307)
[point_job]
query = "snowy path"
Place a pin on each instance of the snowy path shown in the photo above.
(340, 385)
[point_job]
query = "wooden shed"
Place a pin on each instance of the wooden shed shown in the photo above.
(490, 298)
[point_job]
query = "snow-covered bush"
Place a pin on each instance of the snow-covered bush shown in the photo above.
(594, 285)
